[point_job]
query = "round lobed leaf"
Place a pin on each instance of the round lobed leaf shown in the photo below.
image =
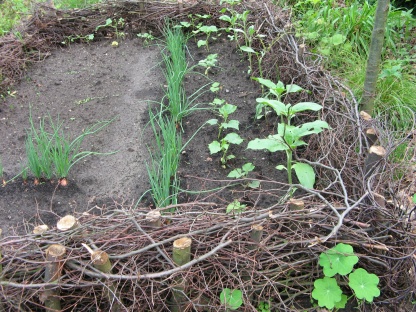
(338, 260)
(364, 284)
(327, 292)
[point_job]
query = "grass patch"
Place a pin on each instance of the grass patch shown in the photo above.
(343, 35)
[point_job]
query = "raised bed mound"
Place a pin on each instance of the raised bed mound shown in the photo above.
(271, 250)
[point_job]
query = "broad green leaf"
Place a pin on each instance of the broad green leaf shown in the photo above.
(227, 109)
(231, 299)
(266, 82)
(201, 43)
(214, 147)
(225, 18)
(414, 199)
(272, 145)
(233, 138)
(305, 174)
(247, 49)
(364, 284)
(303, 106)
(208, 29)
(248, 167)
(217, 101)
(291, 88)
(236, 173)
(254, 184)
(234, 124)
(313, 127)
(279, 107)
(338, 260)
(212, 122)
(281, 167)
(327, 292)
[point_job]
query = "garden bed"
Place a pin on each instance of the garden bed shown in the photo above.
(97, 81)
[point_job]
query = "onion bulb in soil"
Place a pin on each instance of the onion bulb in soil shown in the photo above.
(36, 181)
(63, 181)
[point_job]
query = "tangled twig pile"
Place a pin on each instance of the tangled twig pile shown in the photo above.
(279, 262)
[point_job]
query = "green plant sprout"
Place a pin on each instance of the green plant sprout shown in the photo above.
(224, 110)
(341, 260)
(207, 30)
(215, 87)
(116, 24)
(223, 145)
(235, 207)
(209, 62)
(73, 38)
(264, 306)
(53, 152)
(231, 299)
(243, 172)
(414, 198)
(289, 137)
(277, 90)
(147, 38)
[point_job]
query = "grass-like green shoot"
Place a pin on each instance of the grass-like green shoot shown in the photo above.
(164, 160)
(175, 70)
(65, 152)
(53, 152)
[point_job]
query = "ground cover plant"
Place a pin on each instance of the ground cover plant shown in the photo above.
(265, 249)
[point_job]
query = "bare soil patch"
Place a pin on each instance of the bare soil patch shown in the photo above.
(82, 84)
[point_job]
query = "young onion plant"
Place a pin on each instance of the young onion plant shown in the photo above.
(52, 152)
(175, 70)
(164, 160)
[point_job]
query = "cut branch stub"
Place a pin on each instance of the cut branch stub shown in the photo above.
(296, 204)
(371, 135)
(182, 250)
(376, 153)
(40, 229)
(67, 223)
(365, 116)
(181, 255)
(255, 236)
(53, 271)
(101, 261)
(153, 218)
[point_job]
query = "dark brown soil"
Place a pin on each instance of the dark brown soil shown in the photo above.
(83, 84)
